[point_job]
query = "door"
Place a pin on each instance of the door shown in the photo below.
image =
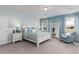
(3, 30)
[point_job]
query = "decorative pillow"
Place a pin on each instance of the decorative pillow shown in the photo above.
(68, 34)
(33, 30)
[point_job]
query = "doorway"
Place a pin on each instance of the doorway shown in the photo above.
(55, 29)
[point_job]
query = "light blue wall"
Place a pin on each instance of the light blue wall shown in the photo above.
(53, 20)
(58, 19)
(61, 19)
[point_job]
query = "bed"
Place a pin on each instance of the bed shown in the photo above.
(34, 35)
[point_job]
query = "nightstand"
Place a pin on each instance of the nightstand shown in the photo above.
(17, 36)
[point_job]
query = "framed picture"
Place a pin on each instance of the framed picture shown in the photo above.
(44, 25)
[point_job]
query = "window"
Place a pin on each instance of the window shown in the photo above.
(70, 24)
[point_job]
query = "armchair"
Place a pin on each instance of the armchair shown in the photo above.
(68, 37)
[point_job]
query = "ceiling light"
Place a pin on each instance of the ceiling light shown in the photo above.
(45, 8)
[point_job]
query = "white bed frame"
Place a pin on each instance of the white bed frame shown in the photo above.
(41, 37)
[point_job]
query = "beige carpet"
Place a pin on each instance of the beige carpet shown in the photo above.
(53, 46)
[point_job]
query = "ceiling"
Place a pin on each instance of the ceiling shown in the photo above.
(37, 10)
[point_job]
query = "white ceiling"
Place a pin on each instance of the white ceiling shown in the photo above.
(37, 10)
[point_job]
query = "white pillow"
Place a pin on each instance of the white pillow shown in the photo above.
(33, 30)
(68, 34)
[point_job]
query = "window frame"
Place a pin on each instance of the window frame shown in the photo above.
(65, 19)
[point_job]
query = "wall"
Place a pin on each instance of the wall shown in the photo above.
(19, 18)
(27, 21)
(53, 20)
(61, 19)
(13, 17)
(58, 19)
(16, 19)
